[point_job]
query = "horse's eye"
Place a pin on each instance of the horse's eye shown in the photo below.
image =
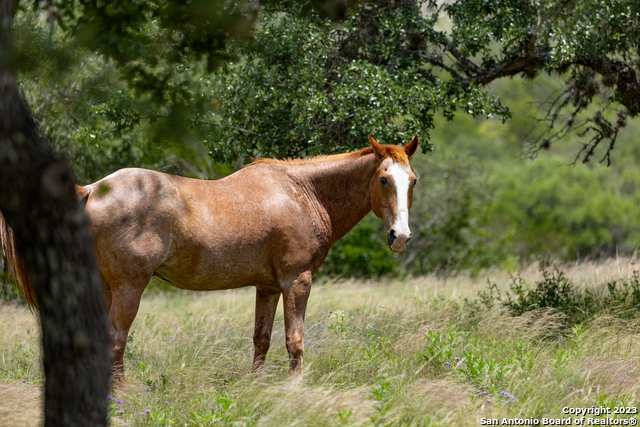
(384, 180)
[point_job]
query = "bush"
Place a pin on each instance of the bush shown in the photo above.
(620, 297)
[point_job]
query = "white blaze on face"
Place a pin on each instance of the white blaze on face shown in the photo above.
(401, 179)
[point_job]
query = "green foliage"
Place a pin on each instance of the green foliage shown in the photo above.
(448, 216)
(441, 347)
(85, 108)
(301, 85)
(339, 325)
(148, 39)
(462, 354)
(571, 212)
(308, 87)
(555, 291)
(363, 252)
(8, 290)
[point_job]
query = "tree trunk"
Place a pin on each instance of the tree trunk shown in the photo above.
(37, 199)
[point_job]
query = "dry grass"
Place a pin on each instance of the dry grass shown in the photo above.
(189, 358)
(20, 404)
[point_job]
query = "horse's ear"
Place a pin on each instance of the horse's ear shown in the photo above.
(377, 148)
(411, 147)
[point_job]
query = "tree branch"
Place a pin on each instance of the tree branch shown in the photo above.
(620, 74)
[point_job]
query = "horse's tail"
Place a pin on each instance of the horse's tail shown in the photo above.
(16, 264)
(15, 260)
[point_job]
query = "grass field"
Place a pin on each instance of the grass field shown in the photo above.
(386, 352)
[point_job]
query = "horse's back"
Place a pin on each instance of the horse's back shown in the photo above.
(194, 234)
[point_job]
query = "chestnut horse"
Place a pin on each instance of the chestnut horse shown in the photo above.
(269, 225)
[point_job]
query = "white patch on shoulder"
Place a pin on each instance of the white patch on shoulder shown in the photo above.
(400, 176)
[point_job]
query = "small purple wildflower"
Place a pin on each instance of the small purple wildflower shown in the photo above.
(309, 342)
(572, 388)
(317, 350)
(108, 397)
(119, 402)
(24, 380)
(166, 402)
(121, 412)
(171, 338)
(447, 363)
(147, 411)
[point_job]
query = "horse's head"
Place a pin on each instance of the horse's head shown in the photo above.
(392, 190)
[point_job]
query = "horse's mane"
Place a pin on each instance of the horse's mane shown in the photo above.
(397, 153)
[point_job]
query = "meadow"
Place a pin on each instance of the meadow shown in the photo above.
(404, 352)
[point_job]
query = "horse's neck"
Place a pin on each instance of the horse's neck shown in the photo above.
(341, 188)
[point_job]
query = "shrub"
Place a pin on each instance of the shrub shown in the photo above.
(620, 297)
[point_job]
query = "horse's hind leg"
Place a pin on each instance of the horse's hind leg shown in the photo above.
(295, 296)
(125, 301)
(266, 304)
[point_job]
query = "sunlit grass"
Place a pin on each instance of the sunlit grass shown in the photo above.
(400, 352)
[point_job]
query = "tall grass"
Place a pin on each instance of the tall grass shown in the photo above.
(420, 351)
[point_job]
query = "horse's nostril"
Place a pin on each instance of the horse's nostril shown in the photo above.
(408, 239)
(391, 237)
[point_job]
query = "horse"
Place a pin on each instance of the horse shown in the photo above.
(268, 225)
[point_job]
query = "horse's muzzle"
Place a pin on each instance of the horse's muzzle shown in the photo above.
(398, 242)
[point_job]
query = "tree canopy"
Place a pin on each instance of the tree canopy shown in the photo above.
(161, 76)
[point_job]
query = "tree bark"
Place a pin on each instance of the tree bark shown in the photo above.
(37, 199)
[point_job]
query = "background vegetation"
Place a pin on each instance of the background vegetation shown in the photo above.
(481, 200)
(304, 85)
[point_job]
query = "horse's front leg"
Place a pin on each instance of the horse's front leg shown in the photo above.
(266, 304)
(295, 296)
